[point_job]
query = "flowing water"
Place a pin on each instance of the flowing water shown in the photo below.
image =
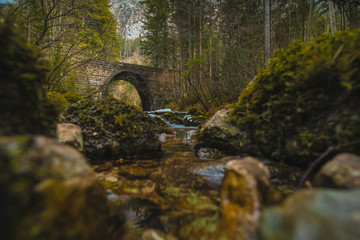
(179, 192)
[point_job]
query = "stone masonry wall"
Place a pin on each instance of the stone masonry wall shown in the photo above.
(95, 74)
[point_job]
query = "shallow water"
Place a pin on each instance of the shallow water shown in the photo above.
(179, 191)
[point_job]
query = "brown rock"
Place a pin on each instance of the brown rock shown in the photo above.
(343, 171)
(245, 188)
(70, 134)
(49, 191)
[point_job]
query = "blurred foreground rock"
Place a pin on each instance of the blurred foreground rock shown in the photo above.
(315, 215)
(24, 108)
(48, 191)
(245, 189)
(343, 171)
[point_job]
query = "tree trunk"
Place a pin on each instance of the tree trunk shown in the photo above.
(353, 15)
(311, 21)
(332, 17)
(267, 51)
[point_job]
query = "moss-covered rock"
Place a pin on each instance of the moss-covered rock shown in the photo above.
(303, 102)
(23, 104)
(245, 189)
(195, 111)
(48, 191)
(112, 128)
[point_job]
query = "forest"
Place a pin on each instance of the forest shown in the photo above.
(215, 48)
(218, 46)
(221, 120)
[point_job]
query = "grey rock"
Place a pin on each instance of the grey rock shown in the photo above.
(209, 153)
(316, 215)
(343, 171)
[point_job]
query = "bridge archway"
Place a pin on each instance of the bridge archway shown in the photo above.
(140, 83)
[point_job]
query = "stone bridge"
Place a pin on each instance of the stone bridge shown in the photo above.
(149, 82)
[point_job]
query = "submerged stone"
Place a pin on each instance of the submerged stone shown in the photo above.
(209, 153)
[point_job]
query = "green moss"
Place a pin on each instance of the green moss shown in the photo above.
(24, 107)
(41, 199)
(58, 100)
(305, 100)
(110, 120)
(195, 111)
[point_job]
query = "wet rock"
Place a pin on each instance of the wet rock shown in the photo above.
(194, 120)
(163, 137)
(135, 172)
(315, 215)
(48, 191)
(111, 179)
(246, 187)
(343, 171)
(70, 134)
(152, 234)
(213, 172)
(220, 134)
(206, 153)
(107, 166)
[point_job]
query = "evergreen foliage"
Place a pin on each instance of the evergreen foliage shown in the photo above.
(156, 36)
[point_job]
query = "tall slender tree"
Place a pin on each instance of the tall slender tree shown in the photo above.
(267, 14)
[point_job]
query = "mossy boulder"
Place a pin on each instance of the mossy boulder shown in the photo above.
(112, 128)
(48, 191)
(23, 104)
(303, 102)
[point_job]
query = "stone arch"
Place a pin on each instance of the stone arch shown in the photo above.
(140, 83)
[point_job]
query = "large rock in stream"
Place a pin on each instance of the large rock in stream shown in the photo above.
(306, 100)
(48, 191)
(219, 133)
(112, 128)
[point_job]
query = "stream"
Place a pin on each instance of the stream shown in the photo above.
(178, 193)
